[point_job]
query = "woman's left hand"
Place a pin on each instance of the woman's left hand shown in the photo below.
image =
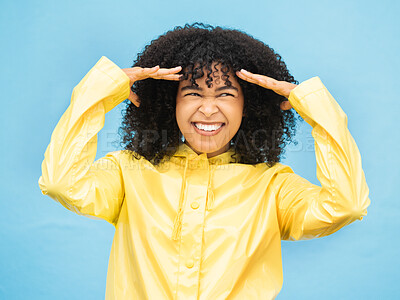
(282, 88)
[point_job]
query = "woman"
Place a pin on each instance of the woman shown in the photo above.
(198, 197)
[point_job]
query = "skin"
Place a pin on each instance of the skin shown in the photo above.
(282, 88)
(218, 105)
(209, 105)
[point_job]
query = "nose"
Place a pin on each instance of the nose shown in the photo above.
(208, 106)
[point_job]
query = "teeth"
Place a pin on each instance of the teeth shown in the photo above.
(207, 127)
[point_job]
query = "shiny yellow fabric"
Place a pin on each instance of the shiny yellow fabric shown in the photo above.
(198, 228)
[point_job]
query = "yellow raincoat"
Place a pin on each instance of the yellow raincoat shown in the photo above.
(198, 228)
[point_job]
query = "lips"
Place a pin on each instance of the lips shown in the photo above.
(208, 126)
(208, 129)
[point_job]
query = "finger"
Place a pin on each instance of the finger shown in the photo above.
(285, 105)
(139, 73)
(175, 69)
(161, 72)
(248, 74)
(263, 80)
(149, 70)
(134, 99)
(282, 88)
(247, 78)
(169, 77)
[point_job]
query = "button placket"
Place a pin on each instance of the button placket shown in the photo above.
(192, 231)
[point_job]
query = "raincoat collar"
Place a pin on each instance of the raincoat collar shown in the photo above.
(227, 157)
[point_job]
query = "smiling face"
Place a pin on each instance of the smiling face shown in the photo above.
(207, 117)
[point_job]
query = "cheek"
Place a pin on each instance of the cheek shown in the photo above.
(183, 114)
(178, 116)
(235, 115)
(180, 110)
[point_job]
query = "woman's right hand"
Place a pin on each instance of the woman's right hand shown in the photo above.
(138, 73)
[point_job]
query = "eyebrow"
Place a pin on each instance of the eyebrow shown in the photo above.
(197, 88)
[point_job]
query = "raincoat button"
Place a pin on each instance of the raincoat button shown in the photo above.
(189, 263)
(194, 205)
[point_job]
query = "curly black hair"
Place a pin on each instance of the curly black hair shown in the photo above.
(151, 130)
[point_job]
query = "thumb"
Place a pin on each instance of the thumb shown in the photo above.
(134, 99)
(285, 105)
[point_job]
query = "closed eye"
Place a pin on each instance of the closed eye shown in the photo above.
(193, 94)
(226, 95)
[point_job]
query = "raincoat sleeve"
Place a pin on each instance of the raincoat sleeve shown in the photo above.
(69, 174)
(306, 210)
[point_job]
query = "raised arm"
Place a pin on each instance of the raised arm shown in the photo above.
(305, 210)
(69, 174)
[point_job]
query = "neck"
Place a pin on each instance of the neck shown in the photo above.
(210, 154)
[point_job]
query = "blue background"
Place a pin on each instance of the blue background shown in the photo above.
(47, 252)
